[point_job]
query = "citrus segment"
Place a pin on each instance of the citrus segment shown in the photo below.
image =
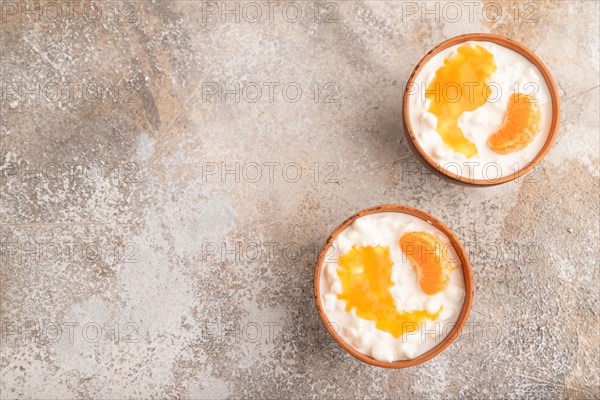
(521, 124)
(429, 257)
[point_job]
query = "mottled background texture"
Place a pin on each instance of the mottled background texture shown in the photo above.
(169, 170)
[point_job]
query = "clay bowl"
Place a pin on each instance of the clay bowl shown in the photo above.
(512, 45)
(467, 273)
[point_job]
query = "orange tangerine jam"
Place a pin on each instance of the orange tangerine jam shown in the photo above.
(460, 85)
(366, 282)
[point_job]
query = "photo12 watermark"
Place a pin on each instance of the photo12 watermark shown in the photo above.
(69, 11)
(255, 252)
(254, 332)
(254, 172)
(525, 12)
(31, 92)
(469, 92)
(256, 12)
(70, 172)
(270, 92)
(50, 332)
(18, 253)
(415, 171)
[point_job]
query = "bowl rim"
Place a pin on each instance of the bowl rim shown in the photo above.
(467, 274)
(511, 45)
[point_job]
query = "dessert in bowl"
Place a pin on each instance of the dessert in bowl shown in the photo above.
(393, 286)
(481, 109)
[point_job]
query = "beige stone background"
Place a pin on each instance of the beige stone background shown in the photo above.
(137, 263)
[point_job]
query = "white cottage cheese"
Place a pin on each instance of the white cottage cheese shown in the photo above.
(385, 229)
(514, 73)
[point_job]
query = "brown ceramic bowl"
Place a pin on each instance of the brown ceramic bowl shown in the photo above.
(467, 273)
(512, 45)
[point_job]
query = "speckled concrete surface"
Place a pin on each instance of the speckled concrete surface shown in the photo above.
(159, 234)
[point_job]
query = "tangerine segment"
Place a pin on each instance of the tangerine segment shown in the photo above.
(366, 282)
(523, 121)
(428, 255)
(460, 85)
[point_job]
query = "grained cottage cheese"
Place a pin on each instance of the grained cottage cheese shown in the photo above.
(386, 229)
(514, 73)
